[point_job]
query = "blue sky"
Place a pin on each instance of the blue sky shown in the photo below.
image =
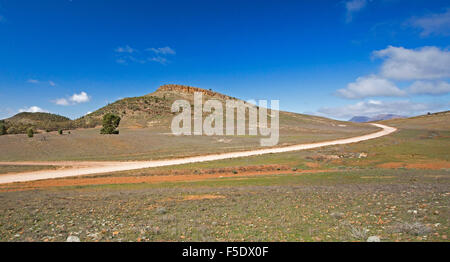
(330, 58)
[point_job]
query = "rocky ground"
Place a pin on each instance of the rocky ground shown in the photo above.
(389, 205)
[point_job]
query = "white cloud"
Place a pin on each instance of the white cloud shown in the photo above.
(434, 24)
(51, 83)
(353, 6)
(374, 107)
(33, 109)
(82, 97)
(414, 64)
(125, 49)
(62, 102)
(369, 86)
(162, 50)
(429, 88)
(32, 81)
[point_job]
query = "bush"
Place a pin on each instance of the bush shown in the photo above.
(2, 129)
(30, 132)
(12, 130)
(60, 131)
(110, 124)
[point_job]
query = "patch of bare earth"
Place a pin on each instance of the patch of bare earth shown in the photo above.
(159, 177)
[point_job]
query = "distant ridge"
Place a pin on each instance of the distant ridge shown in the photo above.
(364, 119)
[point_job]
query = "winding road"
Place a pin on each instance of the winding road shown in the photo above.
(88, 168)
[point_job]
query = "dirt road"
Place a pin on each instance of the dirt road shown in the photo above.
(87, 168)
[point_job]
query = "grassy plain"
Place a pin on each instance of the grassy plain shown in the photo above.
(396, 187)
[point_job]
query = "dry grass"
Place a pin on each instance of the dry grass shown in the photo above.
(154, 143)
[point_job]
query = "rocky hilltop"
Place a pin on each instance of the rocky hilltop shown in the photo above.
(191, 90)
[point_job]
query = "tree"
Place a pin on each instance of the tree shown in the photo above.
(110, 123)
(2, 129)
(30, 132)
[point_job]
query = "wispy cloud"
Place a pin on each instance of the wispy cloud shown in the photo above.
(82, 97)
(33, 81)
(433, 24)
(352, 7)
(125, 49)
(33, 109)
(162, 50)
(159, 59)
(127, 55)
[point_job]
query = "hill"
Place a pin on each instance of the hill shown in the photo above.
(433, 121)
(364, 119)
(39, 121)
(149, 110)
(145, 132)
(154, 109)
(360, 119)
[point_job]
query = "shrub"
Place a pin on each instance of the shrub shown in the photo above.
(12, 130)
(2, 129)
(60, 131)
(30, 132)
(110, 124)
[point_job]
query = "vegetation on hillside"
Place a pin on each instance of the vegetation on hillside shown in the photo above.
(20, 123)
(134, 110)
(110, 124)
(2, 128)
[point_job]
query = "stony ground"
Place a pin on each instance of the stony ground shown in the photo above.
(395, 205)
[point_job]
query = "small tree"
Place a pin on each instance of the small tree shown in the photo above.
(110, 124)
(30, 132)
(2, 129)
